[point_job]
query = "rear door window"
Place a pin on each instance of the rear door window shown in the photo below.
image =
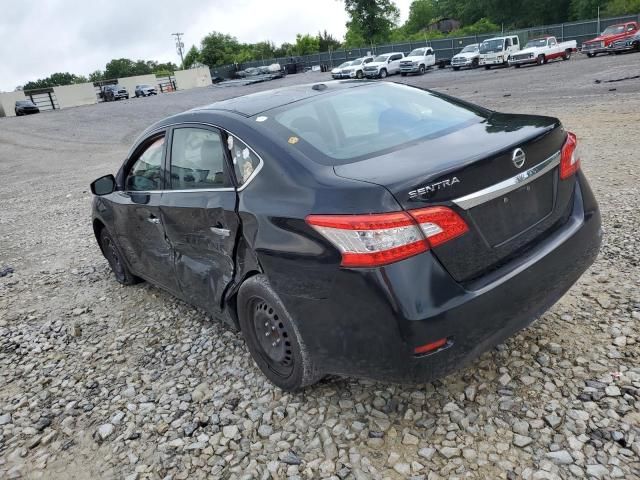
(198, 160)
(245, 161)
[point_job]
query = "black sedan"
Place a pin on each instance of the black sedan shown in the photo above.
(25, 107)
(354, 228)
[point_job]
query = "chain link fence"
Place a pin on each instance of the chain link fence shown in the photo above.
(444, 48)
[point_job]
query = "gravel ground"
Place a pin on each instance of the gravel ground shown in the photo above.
(103, 381)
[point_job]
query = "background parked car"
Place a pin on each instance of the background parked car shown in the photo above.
(145, 90)
(498, 50)
(418, 61)
(26, 107)
(626, 44)
(383, 65)
(611, 34)
(469, 56)
(541, 50)
(337, 72)
(114, 92)
(355, 68)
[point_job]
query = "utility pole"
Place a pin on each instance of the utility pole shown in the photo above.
(179, 47)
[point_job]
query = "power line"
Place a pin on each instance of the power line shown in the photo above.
(179, 46)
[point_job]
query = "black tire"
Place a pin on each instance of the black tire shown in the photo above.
(264, 320)
(475, 63)
(404, 74)
(541, 60)
(116, 261)
(422, 70)
(359, 74)
(567, 55)
(517, 65)
(591, 55)
(383, 73)
(487, 67)
(456, 68)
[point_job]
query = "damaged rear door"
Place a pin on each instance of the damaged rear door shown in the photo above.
(199, 214)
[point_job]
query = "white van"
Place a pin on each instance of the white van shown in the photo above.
(498, 50)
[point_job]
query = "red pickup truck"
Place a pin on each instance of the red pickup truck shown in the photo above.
(612, 33)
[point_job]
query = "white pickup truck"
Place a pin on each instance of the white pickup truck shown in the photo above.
(541, 50)
(418, 61)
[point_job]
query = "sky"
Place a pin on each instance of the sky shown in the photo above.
(41, 37)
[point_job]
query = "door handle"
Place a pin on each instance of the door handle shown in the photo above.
(223, 232)
(153, 219)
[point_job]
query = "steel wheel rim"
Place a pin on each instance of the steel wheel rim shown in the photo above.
(273, 339)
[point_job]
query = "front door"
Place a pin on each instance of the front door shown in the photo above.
(199, 214)
(138, 224)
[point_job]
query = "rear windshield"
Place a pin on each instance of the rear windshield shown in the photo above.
(363, 122)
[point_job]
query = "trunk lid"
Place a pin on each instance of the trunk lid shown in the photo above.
(473, 171)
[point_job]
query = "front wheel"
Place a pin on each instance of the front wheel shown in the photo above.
(541, 60)
(383, 73)
(422, 70)
(456, 68)
(517, 65)
(403, 74)
(487, 67)
(272, 336)
(112, 253)
(359, 74)
(591, 55)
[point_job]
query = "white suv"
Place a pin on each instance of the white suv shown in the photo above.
(383, 65)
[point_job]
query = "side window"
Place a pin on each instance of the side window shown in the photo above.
(396, 57)
(244, 160)
(552, 42)
(429, 51)
(507, 42)
(515, 40)
(146, 172)
(631, 28)
(197, 160)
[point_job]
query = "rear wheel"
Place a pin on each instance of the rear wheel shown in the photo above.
(383, 73)
(567, 55)
(112, 253)
(272, 336)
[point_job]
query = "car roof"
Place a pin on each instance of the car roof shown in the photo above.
(254, 103)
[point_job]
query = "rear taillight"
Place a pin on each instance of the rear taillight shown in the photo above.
(383, 238)
(569, 157)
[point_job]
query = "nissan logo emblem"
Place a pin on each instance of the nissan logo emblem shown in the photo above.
(518, 158)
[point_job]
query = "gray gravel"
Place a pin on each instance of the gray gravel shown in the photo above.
(103, 381)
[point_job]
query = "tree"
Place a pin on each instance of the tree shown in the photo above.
(192, 57)
(421, 14)
(306, 44)
(327, 42)
(284, 50)
(622, 7)
(371, 20)
(96, 76)
(55, 80)
(220, 49)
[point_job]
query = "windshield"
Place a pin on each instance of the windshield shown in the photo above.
(470, 49)
(363, 122)
(613, 29)
(357, 62)
(381, 58)
(492, 45)
(541, 42)
(23, 103)
(144, 86)
(418, 52)
(345, 64)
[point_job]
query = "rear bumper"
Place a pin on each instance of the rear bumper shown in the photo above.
(372, 320)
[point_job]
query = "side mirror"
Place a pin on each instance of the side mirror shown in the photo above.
(103, 185)
(389, 61)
